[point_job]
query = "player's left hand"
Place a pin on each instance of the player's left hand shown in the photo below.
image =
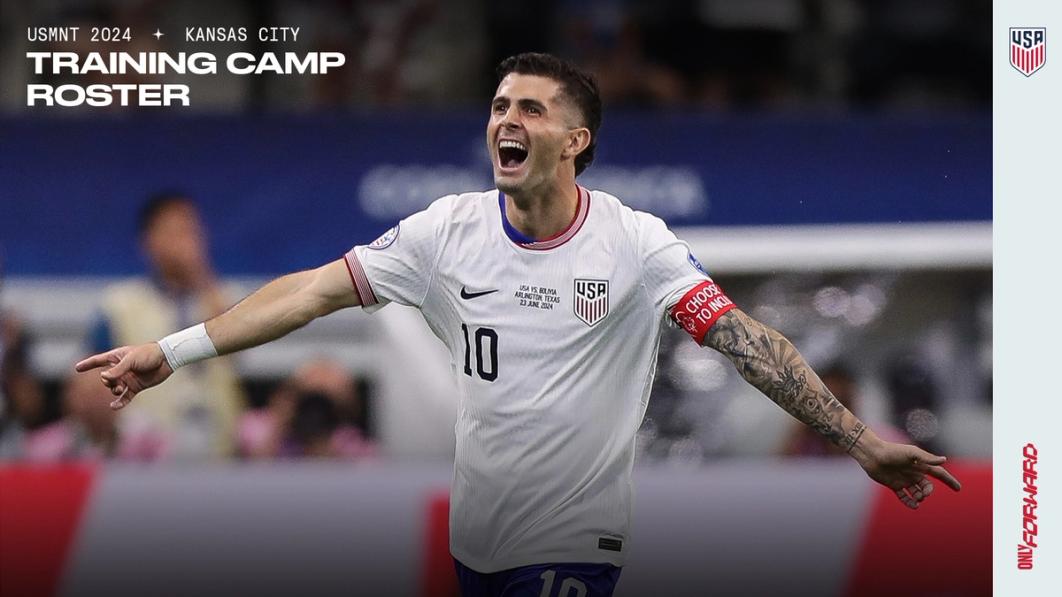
(906, 469)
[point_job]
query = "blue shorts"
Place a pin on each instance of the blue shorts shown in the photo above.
(541, 580)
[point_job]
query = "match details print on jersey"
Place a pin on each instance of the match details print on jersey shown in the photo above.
(531, 296)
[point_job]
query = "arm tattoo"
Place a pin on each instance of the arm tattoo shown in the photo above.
(771, 363)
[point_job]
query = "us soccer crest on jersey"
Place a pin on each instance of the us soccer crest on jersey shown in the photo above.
(591, 300)
(1028, 49)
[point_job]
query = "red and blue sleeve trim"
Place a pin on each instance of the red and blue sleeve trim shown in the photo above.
(361, 282)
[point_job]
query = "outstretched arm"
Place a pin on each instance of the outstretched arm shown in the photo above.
(278, 308)
(771, 363)
(283, 306)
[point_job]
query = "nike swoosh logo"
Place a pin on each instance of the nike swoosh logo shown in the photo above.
(471, 295)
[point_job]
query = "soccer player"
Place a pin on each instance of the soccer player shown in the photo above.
(551, 299)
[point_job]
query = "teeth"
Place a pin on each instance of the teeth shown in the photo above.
(507, 144)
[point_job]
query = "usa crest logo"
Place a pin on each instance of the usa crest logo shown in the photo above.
(696, 264)
(385, 239)
(1028, 49)
(591, 300)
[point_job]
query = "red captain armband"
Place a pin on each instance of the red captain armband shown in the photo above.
(699, 309)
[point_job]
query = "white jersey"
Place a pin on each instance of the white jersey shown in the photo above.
(554, 346)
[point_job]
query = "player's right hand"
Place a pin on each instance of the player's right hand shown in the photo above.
(906, 470)
(129, 370)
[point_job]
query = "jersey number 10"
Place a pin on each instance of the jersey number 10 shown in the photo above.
(487, 368)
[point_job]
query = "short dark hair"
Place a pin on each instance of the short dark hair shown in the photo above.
(577, 85)
(155, 205)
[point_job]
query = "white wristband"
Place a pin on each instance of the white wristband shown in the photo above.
(187, 346)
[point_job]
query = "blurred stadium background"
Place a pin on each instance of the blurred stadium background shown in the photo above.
(829, 161)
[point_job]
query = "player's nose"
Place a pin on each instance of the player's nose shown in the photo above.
(511, 118)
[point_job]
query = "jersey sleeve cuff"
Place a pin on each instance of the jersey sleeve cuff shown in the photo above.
(360, 281)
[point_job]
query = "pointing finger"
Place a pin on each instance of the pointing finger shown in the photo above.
(923, 457)
(94, 361)
(941, 473)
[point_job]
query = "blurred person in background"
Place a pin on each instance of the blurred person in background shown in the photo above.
(88, 430)
(85, 432)
(553, 298)
(607, 39)
(22, 406)
(317, 412)
(197, 414)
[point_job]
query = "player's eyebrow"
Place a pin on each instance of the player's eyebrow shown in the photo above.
(523, 103)
(532, 103)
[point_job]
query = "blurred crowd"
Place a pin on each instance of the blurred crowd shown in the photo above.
(823, 55)
(910, 354)
(202, 412)
(924, 374)
(680, 54)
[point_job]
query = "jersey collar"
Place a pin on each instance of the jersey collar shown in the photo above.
(581, 210)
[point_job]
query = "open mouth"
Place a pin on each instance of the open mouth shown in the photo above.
(511, 154)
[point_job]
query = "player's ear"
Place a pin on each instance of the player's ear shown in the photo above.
(578, 140)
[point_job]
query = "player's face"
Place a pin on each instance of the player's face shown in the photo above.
(529, 129)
